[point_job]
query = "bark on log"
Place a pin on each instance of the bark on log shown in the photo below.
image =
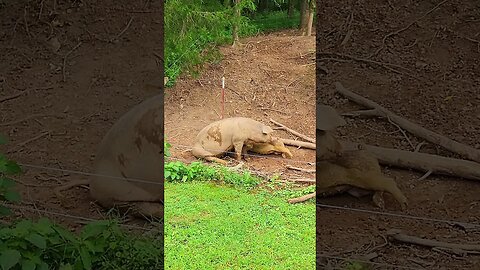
(421, 161)
(449, 144)
(299, 144)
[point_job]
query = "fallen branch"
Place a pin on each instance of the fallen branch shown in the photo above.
(449, 144)
(420, 161)
(298, 134)
(20, 145)
(300, 169)
(302, 198)
(305, 180)
(27, 118)
(398, 235)
(65, 60)
(404, 28)
(70, 185)
(343, 57)
(299, 144)
(14, 96)
(123, 31)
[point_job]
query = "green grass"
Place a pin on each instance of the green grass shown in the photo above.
(274, 21)
(210, 226)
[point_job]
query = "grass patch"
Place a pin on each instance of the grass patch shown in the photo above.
(208, 226)
(274, 21)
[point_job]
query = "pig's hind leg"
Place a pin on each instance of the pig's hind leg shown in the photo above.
(202, 153)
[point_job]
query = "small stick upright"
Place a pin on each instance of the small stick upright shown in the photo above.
(223, 96)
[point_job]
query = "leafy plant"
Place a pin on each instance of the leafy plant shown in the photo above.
(7, 192)
(100, 245)
(197, 171)
(166, 147)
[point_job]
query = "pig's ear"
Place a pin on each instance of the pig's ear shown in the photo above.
(266, 130)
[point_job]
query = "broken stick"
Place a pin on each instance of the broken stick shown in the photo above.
(398, 235)
(421, 161)
(303, 198)
(305, 180)
(296, 133)
(300, 169)
(449, 144)
(299, 144)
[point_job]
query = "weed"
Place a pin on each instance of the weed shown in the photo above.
(7, 192)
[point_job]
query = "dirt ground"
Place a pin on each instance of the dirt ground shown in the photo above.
(56, 123)
(270, 77)
(435, 84)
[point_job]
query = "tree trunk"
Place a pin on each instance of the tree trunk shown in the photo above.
(304, 10)
(311, 13)
(291, 8)
(236, 22)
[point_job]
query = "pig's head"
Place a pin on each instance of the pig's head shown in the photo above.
(279, 147)
(264, 135)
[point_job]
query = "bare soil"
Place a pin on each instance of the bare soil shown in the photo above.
(435, 83)
(269, 77)
(103, 80)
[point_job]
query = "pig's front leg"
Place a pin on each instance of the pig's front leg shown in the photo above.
(238, 150)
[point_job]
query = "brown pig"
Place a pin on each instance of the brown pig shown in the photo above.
(276, 146)
(228, 134)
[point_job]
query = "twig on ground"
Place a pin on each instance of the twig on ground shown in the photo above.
(404, 28)
(398, 235)
(41, 10)
(20, 145)
(25, 22)
(305, 180)
(26, 118)
(65, 60)
(14, 96)
(298, 134)
(421, 161)
(302, 198)
(299, 144)
(417, 148)
(300, 169)
(365, 113)
(427, 174)
(345, 57)
(449, 144)
(123, 31)
(403, 132)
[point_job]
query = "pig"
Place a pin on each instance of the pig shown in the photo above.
(132, 148)
(228, 134)
(276, 146)
(358, 173)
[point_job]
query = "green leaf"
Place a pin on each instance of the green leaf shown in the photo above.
(167, 174)
(28, 265)
(86, 259)
(38, 240)
(3, 139)
(44, 226)
(12, 167)
(43, 266)
(65, 267)
(4, 211)
(95, 228)
(9, 259)
(12, 196)
(6, 183)
(67, 235)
